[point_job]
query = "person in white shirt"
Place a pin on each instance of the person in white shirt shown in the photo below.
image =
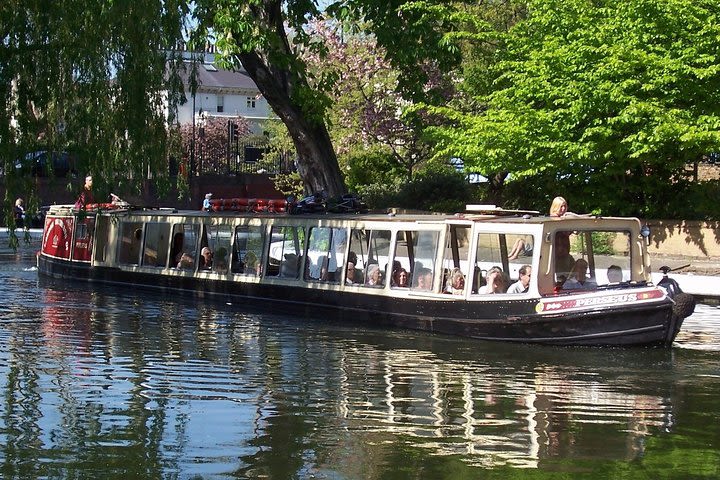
(523, 284)
(578, 279)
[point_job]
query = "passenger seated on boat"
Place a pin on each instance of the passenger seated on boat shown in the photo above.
(614, 274)
(290, 266)
(354, 276)
(578, 278)
(317, 271)
(186, 262)
(251, 266)
(206, 258)
(401, 279)
(456, 283)
(523, 283)
(424, 279)
(373, 276)
(494, 282)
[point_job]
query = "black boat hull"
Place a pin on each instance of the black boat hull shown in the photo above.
(648, 324)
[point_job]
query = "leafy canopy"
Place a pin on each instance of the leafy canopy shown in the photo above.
(598, 90)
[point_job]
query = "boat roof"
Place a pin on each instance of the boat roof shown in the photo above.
(496, 215)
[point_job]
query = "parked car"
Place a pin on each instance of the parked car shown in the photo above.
(37, 164)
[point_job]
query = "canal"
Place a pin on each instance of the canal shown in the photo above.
(99, 382)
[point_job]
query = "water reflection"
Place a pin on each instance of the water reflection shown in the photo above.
(701, 331)
(109, 383)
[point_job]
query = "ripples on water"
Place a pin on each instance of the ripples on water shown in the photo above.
(107, 382)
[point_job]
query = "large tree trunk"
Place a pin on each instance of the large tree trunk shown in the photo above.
(317, 163)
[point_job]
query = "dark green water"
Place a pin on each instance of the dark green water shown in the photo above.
(102, 383)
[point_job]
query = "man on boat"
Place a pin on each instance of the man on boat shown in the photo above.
(523, 284)
(579, 278)
(206, 258)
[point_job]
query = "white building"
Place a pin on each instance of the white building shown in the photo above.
(221, 93)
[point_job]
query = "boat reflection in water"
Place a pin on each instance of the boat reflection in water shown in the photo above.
(168, 386)
(495, 415)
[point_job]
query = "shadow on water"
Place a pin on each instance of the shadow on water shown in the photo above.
(104, 382)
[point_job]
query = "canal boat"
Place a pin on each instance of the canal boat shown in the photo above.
(576, 280)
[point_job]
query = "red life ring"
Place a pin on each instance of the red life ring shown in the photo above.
(256, 205)
(101, 206)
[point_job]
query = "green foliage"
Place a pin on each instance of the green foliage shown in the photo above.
(366, 167)
(610, 98)
(416, 35)
(289, 184)
(91, 79)
(644, 197)
(435, 190)
(602, 243)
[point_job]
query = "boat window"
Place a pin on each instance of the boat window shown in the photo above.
(455, 259)
(130, 241)
(218, 241)
(490, 272)
(520, 250)
(584, 259)
(415, 252)
(357, 257)
(367, 261)
(184, 246)
(247, 256)
(285, 254)
(325, 254)
(102, 229)
(155, 251)
(401, 263)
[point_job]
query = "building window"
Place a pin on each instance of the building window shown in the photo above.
(251, 103)
(220, 104)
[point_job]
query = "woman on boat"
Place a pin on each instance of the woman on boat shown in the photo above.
(86, 196)
(494, 282)
(456, 285)
(401, 278)
(353, 277)
(374, 276)
(559, 207)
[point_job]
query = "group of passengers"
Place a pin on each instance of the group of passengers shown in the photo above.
(400, 277)
(208, 260)
(571, 274)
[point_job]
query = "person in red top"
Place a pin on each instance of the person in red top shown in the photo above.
(86, 196)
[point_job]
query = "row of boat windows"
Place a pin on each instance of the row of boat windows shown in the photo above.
(369, 258)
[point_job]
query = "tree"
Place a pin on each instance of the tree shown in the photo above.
(374, 139)
(90, 78)
(269, 38)
(599, 95)
(255, 33)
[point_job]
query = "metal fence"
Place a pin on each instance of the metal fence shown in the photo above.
(240, 158)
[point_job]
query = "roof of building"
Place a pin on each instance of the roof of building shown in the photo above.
(211, 77)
